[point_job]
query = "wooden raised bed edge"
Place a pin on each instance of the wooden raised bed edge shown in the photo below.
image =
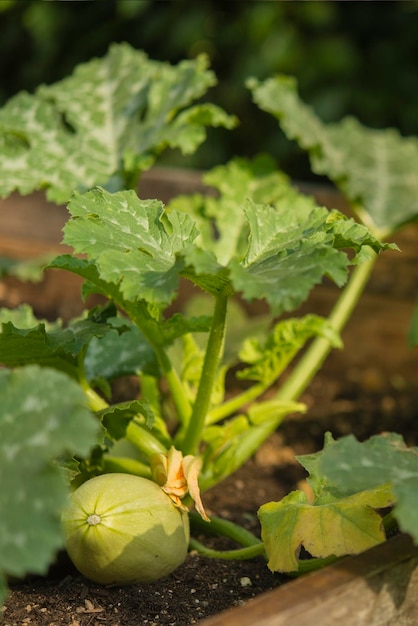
(378, 587)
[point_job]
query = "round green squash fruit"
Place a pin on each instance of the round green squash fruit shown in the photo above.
(123, 529)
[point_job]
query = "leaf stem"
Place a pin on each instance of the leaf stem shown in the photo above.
(234, 404)
(312, 360)
(143, 439)
(238, 554)
(174, 383)
(251, 545)
(125, 465)
(213, 353)
(225, 528)
(95, 402)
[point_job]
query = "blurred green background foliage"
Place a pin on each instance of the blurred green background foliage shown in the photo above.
(356, 58)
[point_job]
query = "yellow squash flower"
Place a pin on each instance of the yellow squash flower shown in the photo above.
(178, 476)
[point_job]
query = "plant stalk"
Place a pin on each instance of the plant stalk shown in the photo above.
(125, 465)
(238, 554)
(213, 354)
(224, 528)
(143, 439)
(95, 402)
(312, 360)
(234, 404)
(252, 546)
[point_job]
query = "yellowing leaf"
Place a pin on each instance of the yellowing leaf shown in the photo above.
(347, 526)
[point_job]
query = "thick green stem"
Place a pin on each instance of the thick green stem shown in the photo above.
(213, 354)
(125, 465)
(174, 383)
(95, 402)
(311, 362)
(143, 440)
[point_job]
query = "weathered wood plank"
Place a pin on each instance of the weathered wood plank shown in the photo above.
(376, 588)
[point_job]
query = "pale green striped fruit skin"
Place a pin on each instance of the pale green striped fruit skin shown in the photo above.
(122, 529)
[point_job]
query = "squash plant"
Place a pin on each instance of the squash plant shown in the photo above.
(85, 141)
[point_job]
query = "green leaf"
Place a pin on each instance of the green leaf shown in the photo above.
(31, 346)
(347, 526)
(377, 170)
(139, 250)
(270, 356)
(57, 348)
(353, 466)
(43, 416)
(116, 418)
(23, 317)
(123, 351)
(290, 251)
(323, 490)
(277, 252)
(235, 182)
(133, 242)
(104, 124)
(88, 270)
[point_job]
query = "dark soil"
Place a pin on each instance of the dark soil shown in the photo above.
(202, 587)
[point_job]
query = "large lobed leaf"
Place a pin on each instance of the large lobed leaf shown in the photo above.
(103, 124)
(376, 169)
(43, 416)
(134, 243)
(140, 249)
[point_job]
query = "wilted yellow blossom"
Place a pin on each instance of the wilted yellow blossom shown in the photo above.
(178, 476)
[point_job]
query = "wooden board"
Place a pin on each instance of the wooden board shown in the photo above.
(376, 588)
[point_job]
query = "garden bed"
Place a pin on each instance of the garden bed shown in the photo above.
(369, 387)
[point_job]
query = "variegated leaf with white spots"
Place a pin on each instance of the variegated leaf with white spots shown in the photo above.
(43, 415)
(376, 169)
(104, 124)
